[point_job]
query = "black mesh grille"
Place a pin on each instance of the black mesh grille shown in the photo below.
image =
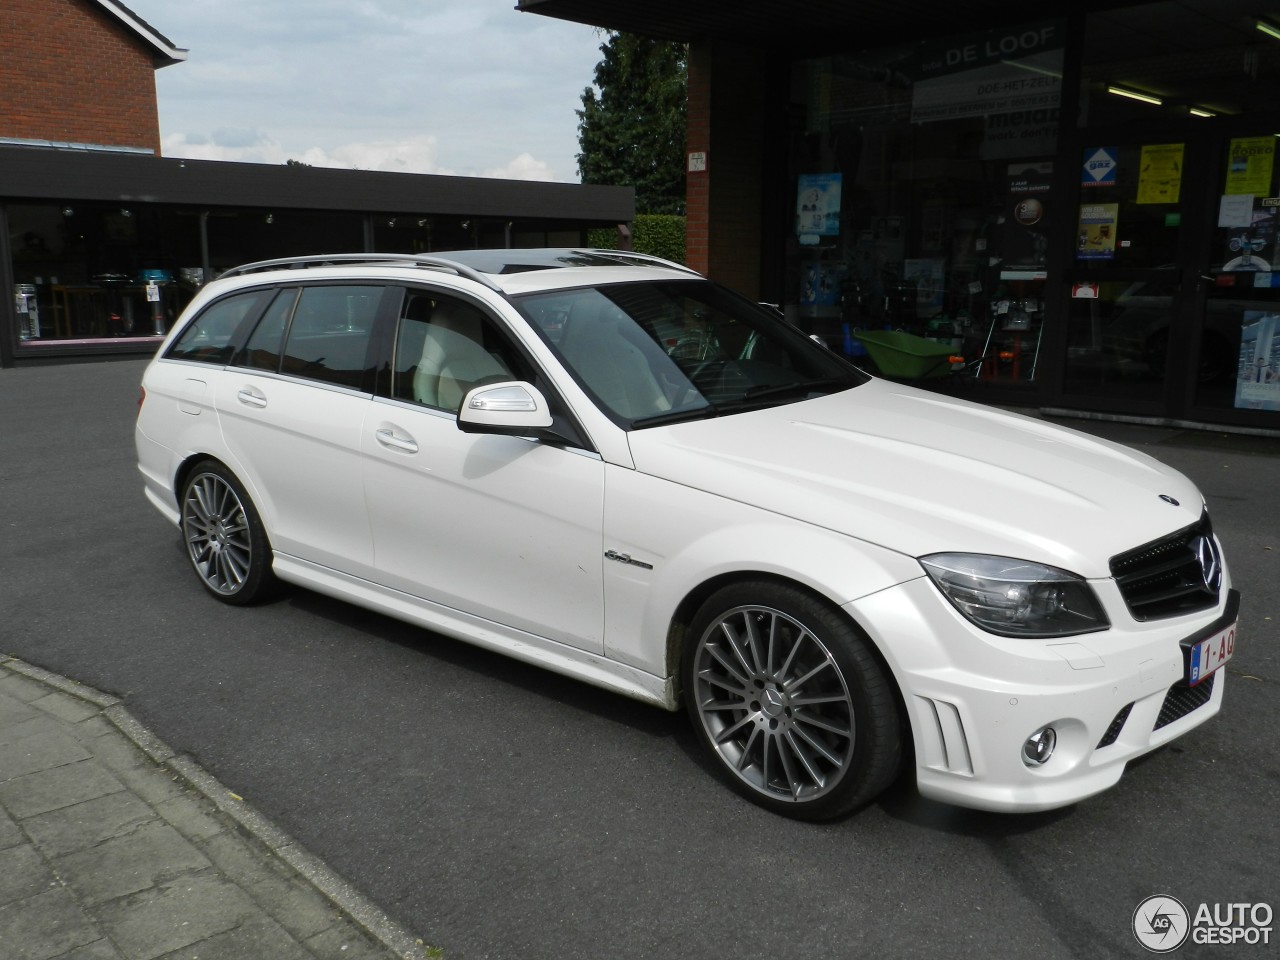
(1113, 731)
(1181, 700)
(1178, 574)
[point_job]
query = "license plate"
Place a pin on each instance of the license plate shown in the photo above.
(1208, 655)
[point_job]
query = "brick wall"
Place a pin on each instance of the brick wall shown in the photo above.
(70, 72)
(698, 140)
(726, 120)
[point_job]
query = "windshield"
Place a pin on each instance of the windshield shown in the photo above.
(658, 352)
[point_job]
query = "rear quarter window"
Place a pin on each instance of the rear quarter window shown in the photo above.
(210, 337)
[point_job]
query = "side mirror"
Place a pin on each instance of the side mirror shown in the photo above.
(513, 408)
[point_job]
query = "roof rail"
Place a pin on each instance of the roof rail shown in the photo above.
(386, 259)
(642, 259)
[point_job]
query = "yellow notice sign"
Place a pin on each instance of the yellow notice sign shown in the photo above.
(1160, 173)
(1249, 163)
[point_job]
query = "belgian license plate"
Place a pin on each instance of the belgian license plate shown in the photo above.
(1208, 655)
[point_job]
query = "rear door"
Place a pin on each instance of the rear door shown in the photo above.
(292, 406)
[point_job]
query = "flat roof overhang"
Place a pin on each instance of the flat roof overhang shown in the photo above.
(43, 173)
(802, 27)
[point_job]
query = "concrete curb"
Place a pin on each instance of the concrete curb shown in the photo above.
(359, 908)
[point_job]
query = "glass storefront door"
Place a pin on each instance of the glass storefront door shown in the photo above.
(1170, 303)
(1239, 350)
(1133, 279)
(1172, 308)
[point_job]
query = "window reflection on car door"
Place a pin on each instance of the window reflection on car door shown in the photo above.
(503, 528)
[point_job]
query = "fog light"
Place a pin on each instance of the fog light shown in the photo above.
(1039, 747)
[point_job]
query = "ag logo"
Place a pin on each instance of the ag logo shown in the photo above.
(1161, 924)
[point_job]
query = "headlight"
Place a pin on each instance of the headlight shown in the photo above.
(1015, 598)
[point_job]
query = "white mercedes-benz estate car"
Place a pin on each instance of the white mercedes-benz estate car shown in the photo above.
(610, 467)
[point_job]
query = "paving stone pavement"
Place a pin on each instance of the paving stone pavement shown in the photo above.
(112, 847)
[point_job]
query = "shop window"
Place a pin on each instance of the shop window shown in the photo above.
(923, 203)
(90, 271)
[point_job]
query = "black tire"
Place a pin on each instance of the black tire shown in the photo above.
(224, 537)
(794, 708)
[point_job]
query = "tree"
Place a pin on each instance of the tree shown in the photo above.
(632, 134)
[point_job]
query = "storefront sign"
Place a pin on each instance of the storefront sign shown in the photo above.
(1249, 165)
(1160, 173)
(1026, 133)
(1010, 72)
(1100, 167)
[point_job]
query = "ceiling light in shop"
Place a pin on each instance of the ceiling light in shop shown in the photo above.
(1268, 29)
(1135, 95)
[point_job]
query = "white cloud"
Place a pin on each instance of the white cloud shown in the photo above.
(469, 87)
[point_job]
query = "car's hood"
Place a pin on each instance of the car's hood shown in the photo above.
(921, 473)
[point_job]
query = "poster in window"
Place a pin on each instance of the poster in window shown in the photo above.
(1097, 231)
(1250, 246)
(1160, 173)
(1258, 376)
(1249, 165)
(1022, 233)
(928, 276)
(1101, 164)
(818, 207)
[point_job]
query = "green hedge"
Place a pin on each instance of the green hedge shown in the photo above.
(660, 235)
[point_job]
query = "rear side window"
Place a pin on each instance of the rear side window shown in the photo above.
(263, 349)
(321, 333)
(210, 337)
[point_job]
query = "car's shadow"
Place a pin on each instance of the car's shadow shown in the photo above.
(901, 802)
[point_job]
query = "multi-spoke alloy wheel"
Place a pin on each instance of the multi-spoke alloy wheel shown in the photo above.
(223, 536)
(790, 701)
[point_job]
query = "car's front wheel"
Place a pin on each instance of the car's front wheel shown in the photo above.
(224, 536)
(796, 710)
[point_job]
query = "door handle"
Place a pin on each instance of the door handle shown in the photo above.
(389, 439)
(251, 397)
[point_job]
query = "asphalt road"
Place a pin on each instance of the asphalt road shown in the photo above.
(503, 812)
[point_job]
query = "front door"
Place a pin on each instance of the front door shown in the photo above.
(500, 528)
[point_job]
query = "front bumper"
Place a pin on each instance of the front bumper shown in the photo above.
(973, 698)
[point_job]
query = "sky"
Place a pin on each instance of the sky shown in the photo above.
(456, 87)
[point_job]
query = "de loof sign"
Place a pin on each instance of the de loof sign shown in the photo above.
(1011, 46)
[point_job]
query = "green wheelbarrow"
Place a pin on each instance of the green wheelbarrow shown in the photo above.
(905, 356)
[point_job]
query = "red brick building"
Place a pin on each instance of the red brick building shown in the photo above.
(81, 72)
(103, 241)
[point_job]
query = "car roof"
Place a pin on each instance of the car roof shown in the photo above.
(510, 271)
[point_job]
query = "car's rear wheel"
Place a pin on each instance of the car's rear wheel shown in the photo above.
(796, 710)
(224, 536)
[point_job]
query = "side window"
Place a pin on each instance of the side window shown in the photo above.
(208, 338)
(445, 347)
(262, 351)
(328, 338)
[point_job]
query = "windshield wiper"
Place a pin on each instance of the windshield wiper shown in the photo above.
(675, 416)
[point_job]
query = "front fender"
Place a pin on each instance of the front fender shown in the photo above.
(667, 540)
